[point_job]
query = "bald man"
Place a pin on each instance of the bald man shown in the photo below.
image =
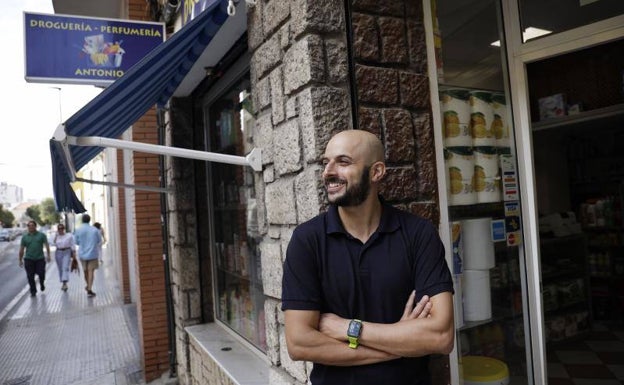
(366, 292)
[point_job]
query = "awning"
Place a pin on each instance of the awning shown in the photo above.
(150, 82)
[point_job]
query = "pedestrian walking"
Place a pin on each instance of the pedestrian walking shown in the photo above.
(88, 238)
(98, 226)
(64, 254)
(366, 293)
(31, 256)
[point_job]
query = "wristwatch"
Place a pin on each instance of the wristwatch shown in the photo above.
(353, 333)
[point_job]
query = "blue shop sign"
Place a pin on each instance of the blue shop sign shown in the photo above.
(85, 50)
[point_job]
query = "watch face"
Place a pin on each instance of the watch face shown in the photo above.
(355, 327)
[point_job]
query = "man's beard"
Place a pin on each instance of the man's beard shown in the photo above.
(355, 194)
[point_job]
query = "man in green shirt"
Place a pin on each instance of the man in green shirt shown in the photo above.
(33, 260)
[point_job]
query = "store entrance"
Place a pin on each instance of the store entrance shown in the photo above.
(577, 114)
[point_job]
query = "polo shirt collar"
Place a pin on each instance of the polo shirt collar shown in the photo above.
(388, 223)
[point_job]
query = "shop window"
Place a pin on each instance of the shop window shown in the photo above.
(540, 18)
(238, 291)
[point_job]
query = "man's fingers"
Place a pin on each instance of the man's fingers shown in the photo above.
(421, 307)
(409, 305)
(426, 310)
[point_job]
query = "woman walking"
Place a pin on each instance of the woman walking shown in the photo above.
(65, 252)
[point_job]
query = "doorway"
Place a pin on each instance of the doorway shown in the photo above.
(577, 124)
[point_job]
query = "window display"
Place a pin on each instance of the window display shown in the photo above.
(239, 298)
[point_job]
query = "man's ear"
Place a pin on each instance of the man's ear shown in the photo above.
(378, 170)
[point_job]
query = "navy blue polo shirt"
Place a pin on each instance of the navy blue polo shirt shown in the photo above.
(328, 270)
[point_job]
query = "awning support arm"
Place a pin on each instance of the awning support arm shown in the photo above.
(253, 159)
(124, 185)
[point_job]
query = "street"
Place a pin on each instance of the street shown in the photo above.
(12, 277)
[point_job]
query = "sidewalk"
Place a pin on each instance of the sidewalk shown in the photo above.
(66, 338)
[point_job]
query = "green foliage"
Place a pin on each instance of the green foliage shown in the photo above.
(48, 212)
(6, 217)
(34, 213)
(44, 213)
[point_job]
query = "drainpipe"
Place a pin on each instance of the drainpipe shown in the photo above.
(351, 63)
(160, 119)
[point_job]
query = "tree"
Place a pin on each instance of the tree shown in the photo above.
(48, 212)
(6, 217)
(34, 213)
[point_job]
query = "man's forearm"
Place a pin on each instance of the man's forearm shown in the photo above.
(328, 351)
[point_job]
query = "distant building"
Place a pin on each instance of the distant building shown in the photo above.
(10, 195)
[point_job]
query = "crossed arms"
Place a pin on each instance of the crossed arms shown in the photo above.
(425, 328)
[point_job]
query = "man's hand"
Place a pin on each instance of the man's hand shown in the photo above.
(21, 263)
(48, 259)
(421, 310)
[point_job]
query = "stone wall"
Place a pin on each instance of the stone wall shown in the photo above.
(393, 97)
(299, 78)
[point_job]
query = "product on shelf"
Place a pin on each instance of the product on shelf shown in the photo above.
(477, 295)
(481, 118)
(478, 248)
(486, 175)
(456, 118)
(501, 122)
(460, 175)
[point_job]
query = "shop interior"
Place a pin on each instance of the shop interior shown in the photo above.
(577, 115)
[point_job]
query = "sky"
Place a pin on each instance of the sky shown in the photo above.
(30, 112)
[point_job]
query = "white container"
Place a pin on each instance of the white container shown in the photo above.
(481, 118)
(477, 295)
(487, 181)
(459, 175)
(501, 120)
(477, 244)
(456, 118)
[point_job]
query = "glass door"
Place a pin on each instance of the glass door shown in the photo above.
(482, 197)
(553, 166)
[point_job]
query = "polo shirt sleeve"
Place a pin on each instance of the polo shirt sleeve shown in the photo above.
(431, 273)
(301, 286)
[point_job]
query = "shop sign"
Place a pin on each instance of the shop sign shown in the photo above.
(85, 50)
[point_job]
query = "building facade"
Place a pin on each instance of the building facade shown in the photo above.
(303, 70)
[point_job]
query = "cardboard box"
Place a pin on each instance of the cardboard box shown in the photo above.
(552, 106)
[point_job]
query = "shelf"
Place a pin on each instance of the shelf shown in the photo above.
(494, 210)
(611, 113)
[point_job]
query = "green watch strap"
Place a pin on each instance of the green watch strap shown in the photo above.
(353, 342)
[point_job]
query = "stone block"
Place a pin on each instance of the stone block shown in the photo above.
(268, 174)
(304, 63)
(323, 111)
(377, 85)
(264, 137)
(365, 37)
(417, 47)
(400, 184)
(399, 136)
(272, 330)
(271, 259)
(285, 36)
(308, 187)
(280, 202)
(393, 40)
(379, 7)
(427, 210)
(414, 90)
(255, 32)
(275, 12)
(316, 16)
(287, 152)
(277, 95)
(337, 61)
(292, 107)
(261, 94)
(266, 57)
(370, 120)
